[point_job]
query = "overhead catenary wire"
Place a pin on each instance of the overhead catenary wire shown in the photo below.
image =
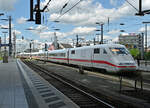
(68, 10)
(109, 24)
(64, 6)
(78, 3)
(46, 5)
(132, 5)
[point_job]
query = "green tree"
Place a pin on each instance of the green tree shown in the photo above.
(147, 55)
(135, 52)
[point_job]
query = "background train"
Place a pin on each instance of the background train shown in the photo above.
(108, 57)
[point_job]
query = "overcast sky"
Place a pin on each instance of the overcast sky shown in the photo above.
(79, 20)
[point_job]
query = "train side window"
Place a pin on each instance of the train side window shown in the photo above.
(96, 51)
(104, 51)
(63, 54)
(73, 52)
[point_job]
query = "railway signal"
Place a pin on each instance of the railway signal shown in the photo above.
(37, 11)
(141, 45)
(101, 24)
(1, 14)
(38, 18)
(142, 12)
(9, 28)
(45, 46)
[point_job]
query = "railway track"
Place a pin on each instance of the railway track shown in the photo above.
(79, 96)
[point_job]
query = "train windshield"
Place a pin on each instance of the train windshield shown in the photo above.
(119, 51)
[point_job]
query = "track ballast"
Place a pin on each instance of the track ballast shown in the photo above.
(78, 96)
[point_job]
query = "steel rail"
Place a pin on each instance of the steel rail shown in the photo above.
(76, 88)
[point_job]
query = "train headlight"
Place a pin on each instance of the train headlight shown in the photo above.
(126, 63)
(121, 63)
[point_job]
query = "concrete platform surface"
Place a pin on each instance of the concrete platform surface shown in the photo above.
(21, 87)
(144, 68)
(11, 89)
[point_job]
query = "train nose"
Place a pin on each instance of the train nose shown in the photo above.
(127, 63)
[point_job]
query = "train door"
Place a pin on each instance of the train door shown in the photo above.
(85, 56)
(105, 58)
(67, 56)
(96, 57)
(92, 56)
(47, 56)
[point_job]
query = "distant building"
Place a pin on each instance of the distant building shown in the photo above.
(131, 40)
(54, 46)
(148, 49)
(64, 45)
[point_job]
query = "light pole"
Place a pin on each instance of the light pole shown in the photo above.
(145, 34)
(97, 36)
(101, 24)
(0, 46)
(55, 39)
(5, 39)
(77, 43)
(145, 40)
(30, 45)
(1, 14)
(46, 52)
(5, 58)
(10, 43)
(14, 44)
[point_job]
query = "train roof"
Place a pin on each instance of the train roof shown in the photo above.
(100, 45)
(86, 47)
(35, 52)
(57, 51)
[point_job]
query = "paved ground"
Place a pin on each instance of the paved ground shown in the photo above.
(11, 89)
(144, 68)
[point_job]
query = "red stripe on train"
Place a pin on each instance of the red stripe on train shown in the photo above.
(94, 61)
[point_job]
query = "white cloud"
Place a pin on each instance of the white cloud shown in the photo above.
(7, 5)
(113, 2)
(41, 28)
(142, 29)
(46, 35)
(88, 12)
(81, 31)
(49, 35)
(4, 26)
(21, 20)
(115, 39)
(124, 34)
(107, 37)
(38, 30)
(17, 32)
(114, 32)
(83, 14)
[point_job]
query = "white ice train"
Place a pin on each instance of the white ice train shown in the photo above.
(109, 57)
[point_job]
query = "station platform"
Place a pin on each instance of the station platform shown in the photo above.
(144, 68)
(11, 89)
(20, 87)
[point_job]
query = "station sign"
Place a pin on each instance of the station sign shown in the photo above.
(2, 45)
